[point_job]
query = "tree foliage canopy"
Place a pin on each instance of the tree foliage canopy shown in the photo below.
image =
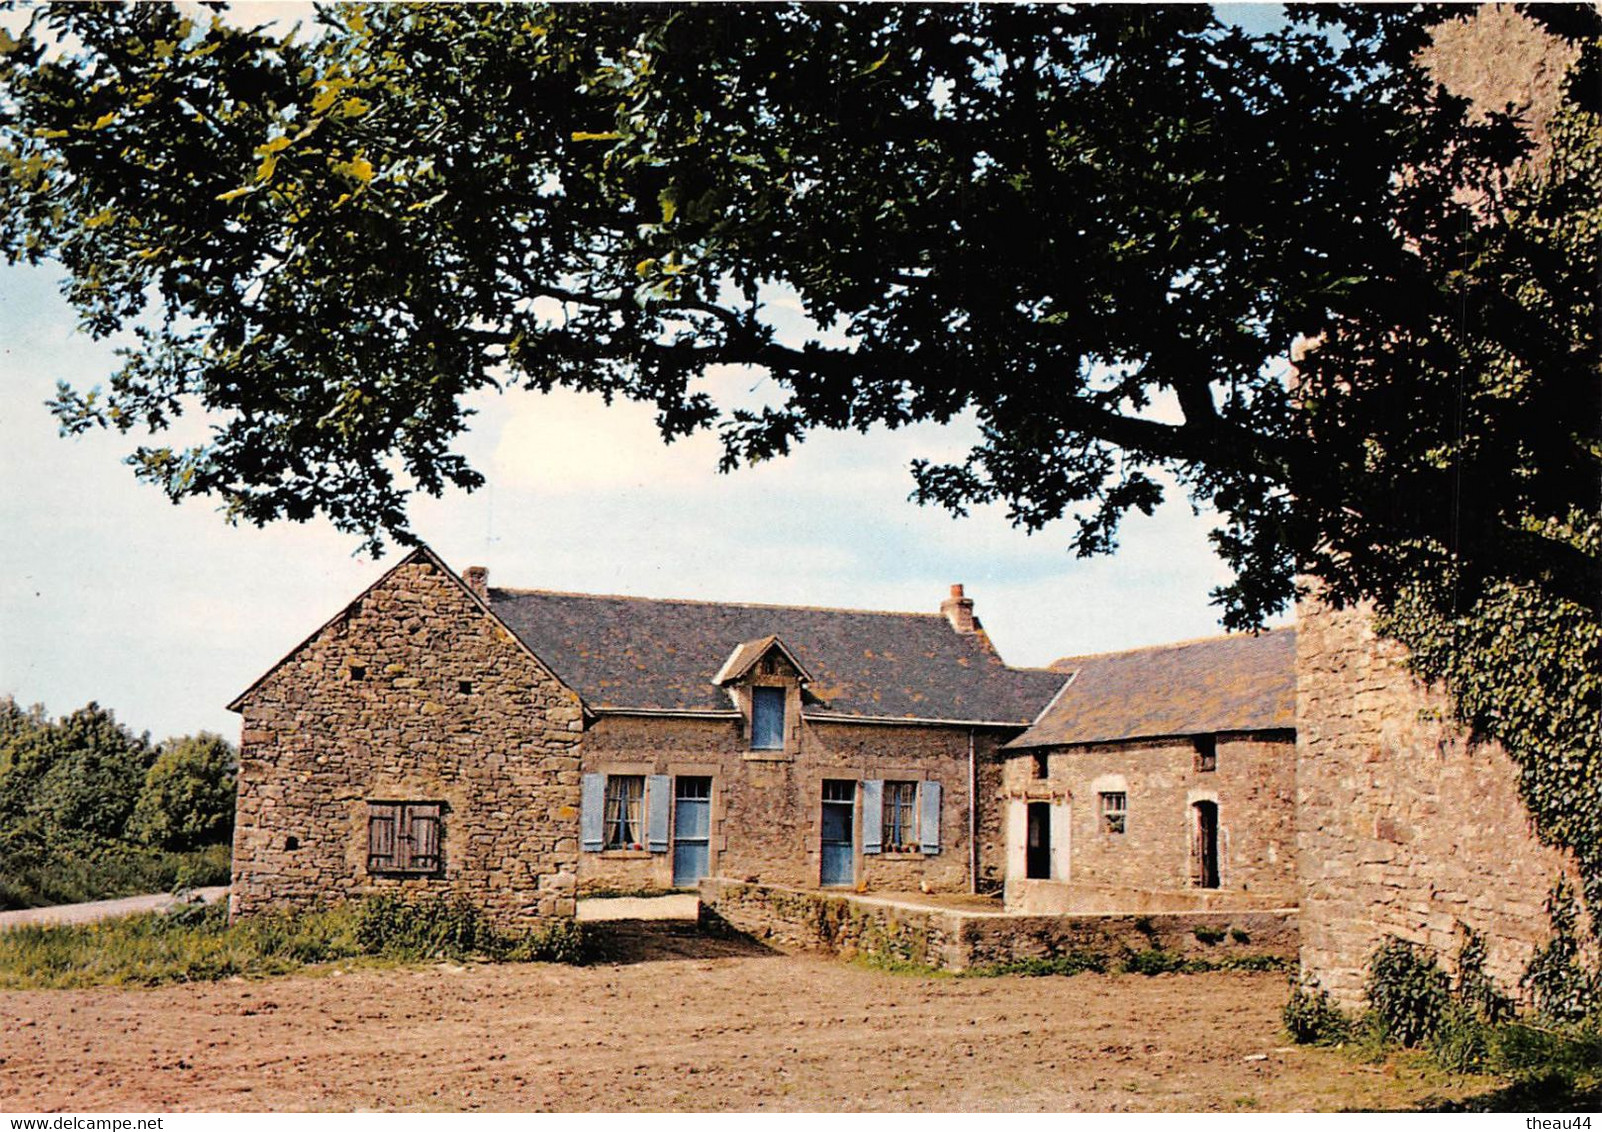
(1097, 228)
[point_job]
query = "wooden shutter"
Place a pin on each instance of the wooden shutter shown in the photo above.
(424, 823)
(592, 811)
(929, 819)
(873, 815)
(658, 797)
(382, 818)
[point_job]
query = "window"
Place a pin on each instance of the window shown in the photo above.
(625, 806)
(1041, 768)
(1114, 811)
(403, 837)
(767, 719)
(1206, 752)
(358, 672)
(900, 830)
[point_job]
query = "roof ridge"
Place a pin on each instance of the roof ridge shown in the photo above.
(1189, 642)
(522, 591)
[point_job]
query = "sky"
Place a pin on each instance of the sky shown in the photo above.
(164, 613)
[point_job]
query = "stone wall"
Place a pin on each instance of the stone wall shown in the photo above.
(413, 693)
(1253, 786)
(1404, 827)
(766, 806)
(960, 938)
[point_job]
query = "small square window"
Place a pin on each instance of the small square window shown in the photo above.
(358, 672)
(1114, 811)
(465, 687)
(404, 837)
(1206, 752)
(1041, 767)
(767, 719)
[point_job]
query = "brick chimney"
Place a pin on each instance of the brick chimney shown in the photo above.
(959, 611)
(477, 579)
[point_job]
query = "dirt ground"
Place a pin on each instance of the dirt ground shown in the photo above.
(680, 1022)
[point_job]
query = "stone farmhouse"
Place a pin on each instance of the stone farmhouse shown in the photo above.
(520, 748)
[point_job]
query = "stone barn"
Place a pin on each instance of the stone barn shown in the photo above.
(1159, 779)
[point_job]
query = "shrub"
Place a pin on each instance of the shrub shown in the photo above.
(1564, 989)
(1311, 1016)
(1473, 988)
(435, 928)
(188, 794)
(1209, 935)
(1073, 963)
(1152, 961)
(1462, 1039)
(1408, 991)
(562, 942)
(439, 928)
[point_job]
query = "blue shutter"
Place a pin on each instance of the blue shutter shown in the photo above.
(592, 812)
(929, 819)
(872, 815)
(658, 794)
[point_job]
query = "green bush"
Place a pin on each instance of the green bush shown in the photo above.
(1408, 992)
(1209, 935)
(1073, 963)
(436, 928)
(38, 869)
(1152, 961)
(1462, 1039)
(562, 942)
(188, 795)
(1311, 1016)
(440, 928)
(1564, 989)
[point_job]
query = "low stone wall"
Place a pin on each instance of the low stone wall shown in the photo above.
(1055, 898)
(956, 939)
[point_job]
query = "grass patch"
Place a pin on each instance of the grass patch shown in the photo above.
(197, 944)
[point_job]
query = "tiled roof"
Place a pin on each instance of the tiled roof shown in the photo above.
(626, 653)
(1240, 683)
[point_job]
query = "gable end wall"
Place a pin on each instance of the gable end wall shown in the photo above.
(318, 745)
(1404, 827)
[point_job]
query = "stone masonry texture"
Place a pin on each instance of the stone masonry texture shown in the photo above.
(413, 693)
(1253, 785)
(1404, 827)
(956, 939)
(766, 806)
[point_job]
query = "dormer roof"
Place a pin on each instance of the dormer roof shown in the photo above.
(748, 654)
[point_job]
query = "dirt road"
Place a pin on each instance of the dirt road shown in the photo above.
(680, 1024)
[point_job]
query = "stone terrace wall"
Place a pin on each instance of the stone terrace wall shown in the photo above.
(414, 693)
(957, 939)
(1404, 827)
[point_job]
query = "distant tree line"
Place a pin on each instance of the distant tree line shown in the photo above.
(90, 810)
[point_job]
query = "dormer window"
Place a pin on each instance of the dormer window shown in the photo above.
(767, 719)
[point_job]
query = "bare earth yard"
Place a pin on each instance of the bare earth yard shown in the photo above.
(680, 1023)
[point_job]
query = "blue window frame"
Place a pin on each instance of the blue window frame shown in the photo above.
(767, 719)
